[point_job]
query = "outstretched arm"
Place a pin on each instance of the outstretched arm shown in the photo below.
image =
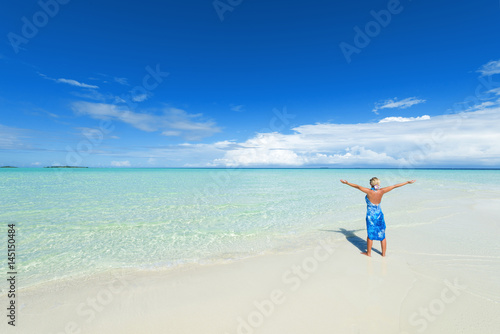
(363, 189)
(387, 189)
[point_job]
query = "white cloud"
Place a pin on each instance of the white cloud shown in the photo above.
(140, 97)
(118, 99)
(125, 163)
(172, 122)
(13, 138)
(121, 81)
(495, 91)
(143, 122)
(69, 82)
(51, 114)
(175, 155)
(238, 108)
(468, 139)
(171, 133)
(76, 83)
(484, 105)
(394, 103)
(404, 119)
(260, 156)
(490, 68)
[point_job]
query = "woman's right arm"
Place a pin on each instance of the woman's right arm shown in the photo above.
(363, 189)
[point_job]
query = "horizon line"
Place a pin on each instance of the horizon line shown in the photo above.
(111, 167)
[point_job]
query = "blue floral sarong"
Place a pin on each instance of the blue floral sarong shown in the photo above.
(375, 223)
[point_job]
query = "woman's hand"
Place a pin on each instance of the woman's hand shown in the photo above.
(410, 182)
(343, 181)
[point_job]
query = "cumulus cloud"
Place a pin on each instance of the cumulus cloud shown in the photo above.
(261, 156)
(469, 138)
(394, 103)
(490, 68)
(172, 121)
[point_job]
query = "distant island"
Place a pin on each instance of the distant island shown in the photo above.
(8, 167)
(64, 167)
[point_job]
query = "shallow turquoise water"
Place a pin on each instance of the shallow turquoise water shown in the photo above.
(82, 221)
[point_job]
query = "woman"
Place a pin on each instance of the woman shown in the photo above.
(375, 223)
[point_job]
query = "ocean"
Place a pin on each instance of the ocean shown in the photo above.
(77, 222)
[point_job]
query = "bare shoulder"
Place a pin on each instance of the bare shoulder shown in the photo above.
(386, 189)
(365, 190)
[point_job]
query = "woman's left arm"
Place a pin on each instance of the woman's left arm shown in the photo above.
(387, 189)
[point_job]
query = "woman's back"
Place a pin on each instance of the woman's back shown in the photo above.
(375, 196)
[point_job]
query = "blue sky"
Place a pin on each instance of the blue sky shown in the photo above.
(250, 83)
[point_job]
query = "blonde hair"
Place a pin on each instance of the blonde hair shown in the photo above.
(374, 181)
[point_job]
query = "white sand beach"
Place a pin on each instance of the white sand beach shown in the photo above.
(440, 276)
